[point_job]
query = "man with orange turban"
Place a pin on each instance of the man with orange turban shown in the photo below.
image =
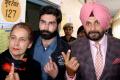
(96, 56)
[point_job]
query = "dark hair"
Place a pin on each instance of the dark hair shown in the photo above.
(51, 10)
(70, 25)
(80, 29)
(26, 27)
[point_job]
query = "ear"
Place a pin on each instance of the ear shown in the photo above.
(29, 46)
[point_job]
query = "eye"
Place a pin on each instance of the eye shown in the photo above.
(70, 29)
(97, 22)
(42, 22)
(88, 23)
(12, 37)
(52, 23)
(22, 39)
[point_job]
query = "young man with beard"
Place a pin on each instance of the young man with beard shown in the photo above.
(48, 47)
(98, 54)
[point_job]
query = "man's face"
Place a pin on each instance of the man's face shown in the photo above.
(68, 31)
(48, 26)
(93, 29)
(81, 34)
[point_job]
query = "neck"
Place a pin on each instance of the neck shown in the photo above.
(17, 57)
(68, 37)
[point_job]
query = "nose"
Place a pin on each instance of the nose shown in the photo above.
(17, 42)
(46, 26)
(93, 27)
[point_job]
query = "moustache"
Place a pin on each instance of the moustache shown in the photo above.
(93, 32)
(45, 32)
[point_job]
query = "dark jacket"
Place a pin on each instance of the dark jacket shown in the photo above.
(81, 49)
(57, 57)
(70, 40)
(28, 69)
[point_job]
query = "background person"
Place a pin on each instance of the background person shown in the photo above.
(80, 32)
(68, 30)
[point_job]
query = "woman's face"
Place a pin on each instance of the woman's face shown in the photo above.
(19, 42)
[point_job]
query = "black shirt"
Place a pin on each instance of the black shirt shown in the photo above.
(28, 69)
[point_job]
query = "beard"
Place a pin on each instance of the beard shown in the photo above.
(95, 35)
(47, 34)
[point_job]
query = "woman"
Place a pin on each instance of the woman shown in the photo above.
(16, 62)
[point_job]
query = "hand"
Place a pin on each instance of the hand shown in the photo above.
(12, 75)
(71, 64)
(51, 68)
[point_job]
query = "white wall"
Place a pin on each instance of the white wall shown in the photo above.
(70, 11)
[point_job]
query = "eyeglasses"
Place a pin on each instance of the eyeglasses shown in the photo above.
(51, 23)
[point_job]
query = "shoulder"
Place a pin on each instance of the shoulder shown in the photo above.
(4, 54)
(113, 40)
(63, 37)
(114, 44)
(62, 45)
(79, 41)
(62, 42)
(33, 63)
(80, 44)
(73, 38)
